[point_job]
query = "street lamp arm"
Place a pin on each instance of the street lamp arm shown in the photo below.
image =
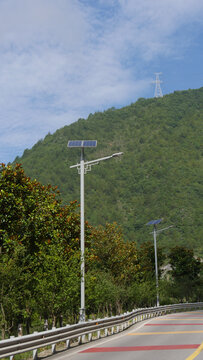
(92, 162)
(158, 231)
(95, 162)
(117, 154)
(73, 166)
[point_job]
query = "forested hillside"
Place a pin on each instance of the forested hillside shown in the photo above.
(159, 175)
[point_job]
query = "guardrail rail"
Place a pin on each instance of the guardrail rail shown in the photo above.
(83, 332)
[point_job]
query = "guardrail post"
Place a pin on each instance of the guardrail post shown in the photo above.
(90, 337)
(106, 332)
(67, 341)
(53, 346)
(11, 357)
(112, 330)
(118, 328)
(83, 339)
(34, 353)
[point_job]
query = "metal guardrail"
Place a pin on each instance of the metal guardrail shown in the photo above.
(83, 331)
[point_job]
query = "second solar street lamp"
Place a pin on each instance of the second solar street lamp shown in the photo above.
(83, 167)
(155, 222)
(155, 232)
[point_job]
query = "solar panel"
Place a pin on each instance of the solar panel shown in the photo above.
(75, 143)
(154, 222)
(82, 143)
(89, 143)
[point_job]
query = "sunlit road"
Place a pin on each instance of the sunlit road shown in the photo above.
(171, 337)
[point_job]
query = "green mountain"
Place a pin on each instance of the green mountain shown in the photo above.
(158, 176)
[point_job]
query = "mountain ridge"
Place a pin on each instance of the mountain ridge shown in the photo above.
(159, 175)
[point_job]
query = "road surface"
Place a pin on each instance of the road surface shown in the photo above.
(170, 337)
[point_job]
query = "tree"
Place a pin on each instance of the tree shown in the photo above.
(115, 263)
(185, 273)
(110, 253)
(146, 259)
(39, 249)
(103, 295)
(57, 283)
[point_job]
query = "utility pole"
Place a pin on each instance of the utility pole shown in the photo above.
(158, 92)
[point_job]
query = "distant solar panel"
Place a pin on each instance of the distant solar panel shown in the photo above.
(82, 143)
(75, 143)
(89, 143)
(154, 222)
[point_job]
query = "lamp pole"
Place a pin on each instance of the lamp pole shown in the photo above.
(82, 236)
(156, 267)
(83, 167)
(155, 232)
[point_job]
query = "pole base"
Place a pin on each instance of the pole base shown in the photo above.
(82, 315)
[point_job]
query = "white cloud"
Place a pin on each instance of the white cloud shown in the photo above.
(61, 59)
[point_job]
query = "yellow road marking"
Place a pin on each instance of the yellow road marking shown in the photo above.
(196, 353)
(168, 332)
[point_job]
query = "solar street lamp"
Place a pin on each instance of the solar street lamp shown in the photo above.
(83, 167)
(155, 232)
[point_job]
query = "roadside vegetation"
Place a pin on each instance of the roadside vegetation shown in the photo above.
(40, 262)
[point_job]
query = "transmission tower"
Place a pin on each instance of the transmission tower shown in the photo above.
(158, 91)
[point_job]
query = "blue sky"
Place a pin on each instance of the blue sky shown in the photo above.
(62, 59)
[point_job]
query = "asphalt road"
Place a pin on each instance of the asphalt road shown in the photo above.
(171, 337)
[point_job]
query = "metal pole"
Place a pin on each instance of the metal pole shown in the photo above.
(82, 168)
(156, 268)
(82, 237)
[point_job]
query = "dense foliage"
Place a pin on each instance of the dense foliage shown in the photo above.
(40, 262)
(39, 244)
(185, 274)
(159, 175)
